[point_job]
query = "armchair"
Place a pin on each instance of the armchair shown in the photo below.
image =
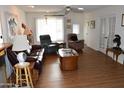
(46, 43)
(74, 43)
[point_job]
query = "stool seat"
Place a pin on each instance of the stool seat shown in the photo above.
(23, 65)
(23, 77)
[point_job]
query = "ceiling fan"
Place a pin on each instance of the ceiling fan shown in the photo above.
(68, 9)
(73, 8)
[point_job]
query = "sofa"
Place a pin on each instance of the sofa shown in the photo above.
(36, 55)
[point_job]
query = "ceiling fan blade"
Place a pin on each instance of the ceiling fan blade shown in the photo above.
(53, 15)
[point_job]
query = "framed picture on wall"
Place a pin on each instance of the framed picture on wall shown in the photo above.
(92, 24)
(12, 24)
(122, 20)
(68, 25)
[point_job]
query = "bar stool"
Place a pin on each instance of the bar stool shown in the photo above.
(23, 78)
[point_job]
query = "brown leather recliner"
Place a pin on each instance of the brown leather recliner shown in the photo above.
(74, 43)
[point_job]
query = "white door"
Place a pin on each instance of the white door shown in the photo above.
(107, 30)
(103, 34)
(86, 30)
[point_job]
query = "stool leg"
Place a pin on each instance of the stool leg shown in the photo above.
(31, 73)
(30, 79)
(17, 76)
(20, 76)
(26, 75)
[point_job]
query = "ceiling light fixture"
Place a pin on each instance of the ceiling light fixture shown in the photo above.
(80, 8)
(47, 11)
(68, 8)
(31, 6)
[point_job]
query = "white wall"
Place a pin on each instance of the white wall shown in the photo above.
(76, 18)
(21, 16)
(12, 10)
(92, 35)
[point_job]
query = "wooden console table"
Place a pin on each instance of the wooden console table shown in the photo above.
(115, 52)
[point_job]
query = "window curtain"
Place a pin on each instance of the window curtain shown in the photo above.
(52, 26)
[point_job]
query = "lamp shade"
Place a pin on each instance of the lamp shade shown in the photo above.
(20, 43)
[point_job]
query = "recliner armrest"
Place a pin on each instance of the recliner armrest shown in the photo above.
(79, 41)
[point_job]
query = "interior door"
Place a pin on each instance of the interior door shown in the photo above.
(103, 34)
(107, 31)
(86, 30)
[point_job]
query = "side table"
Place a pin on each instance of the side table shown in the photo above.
(23, 78)
(115, 52)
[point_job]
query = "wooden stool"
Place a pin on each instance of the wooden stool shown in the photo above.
(23, 77)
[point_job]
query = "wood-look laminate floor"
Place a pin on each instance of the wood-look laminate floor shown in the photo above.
(94, 70)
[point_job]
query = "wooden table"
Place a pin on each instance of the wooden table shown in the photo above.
(68, 59)
(115, 52)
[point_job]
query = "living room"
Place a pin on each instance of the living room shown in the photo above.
(88, 24)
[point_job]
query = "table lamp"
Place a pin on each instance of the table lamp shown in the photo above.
(20, 43)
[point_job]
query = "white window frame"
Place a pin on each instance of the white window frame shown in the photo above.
(57, 35)
(76, 28)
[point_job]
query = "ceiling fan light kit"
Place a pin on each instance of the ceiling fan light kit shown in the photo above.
(80, 8)
(68, 8)
(31, 6)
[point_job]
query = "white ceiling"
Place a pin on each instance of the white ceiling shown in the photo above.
(57, 8)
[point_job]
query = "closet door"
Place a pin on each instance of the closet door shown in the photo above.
(103, 34)
(112, 22)
(107, 31)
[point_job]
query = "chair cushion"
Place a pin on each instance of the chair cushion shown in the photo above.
(74, 38)
(45, 40)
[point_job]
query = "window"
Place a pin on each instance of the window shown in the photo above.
(52, 26)
(76, 28)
